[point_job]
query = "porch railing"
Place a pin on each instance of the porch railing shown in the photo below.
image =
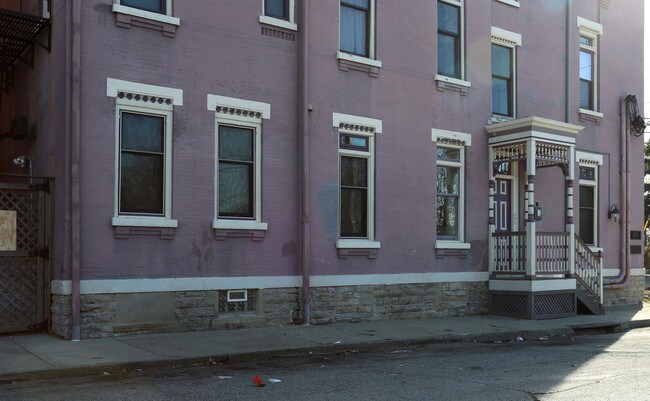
(552, 253)
(510, 253)
(589, 270)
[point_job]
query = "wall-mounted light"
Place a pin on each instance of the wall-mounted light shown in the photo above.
(614, 212)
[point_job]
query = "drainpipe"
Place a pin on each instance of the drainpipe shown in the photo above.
(75, 121)
(303, 129)
(624, 275)
(568, 72)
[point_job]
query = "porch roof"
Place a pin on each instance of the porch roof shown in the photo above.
(533, 127)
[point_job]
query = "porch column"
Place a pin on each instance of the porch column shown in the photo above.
(570, 226)
(531, 240)
(491, 216)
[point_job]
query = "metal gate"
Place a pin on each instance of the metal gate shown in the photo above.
(25, 235)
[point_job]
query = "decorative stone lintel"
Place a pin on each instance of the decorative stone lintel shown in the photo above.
(461, 253)
(126, 21)
(224, 234)
(123, 232)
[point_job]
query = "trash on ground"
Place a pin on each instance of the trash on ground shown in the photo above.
(224, 377)
(400, 351)
(545, 338)
(337, 342)
(275, 381)
(106, 374)
(258, 382)
(520, 339)
(574, 366)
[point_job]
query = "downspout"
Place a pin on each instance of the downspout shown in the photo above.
(623, 277)
(303, 132)
(75, 122)
(568, 72)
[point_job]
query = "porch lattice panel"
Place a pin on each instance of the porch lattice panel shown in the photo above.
(18, 293)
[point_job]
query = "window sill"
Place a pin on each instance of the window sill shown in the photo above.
(125, 17)
(224, 229)
(510, 2)
(444, 83)
(596, 249)
(499, 119)
(452, 245)
(590, 115)
(279, 23)
(351, 62)
(357, 247)
(125, 227)
(452, 248)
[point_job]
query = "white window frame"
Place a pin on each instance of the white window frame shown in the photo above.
(371, 60)
(136, 12)
(453, 140)
(591, 160)
(169, 97)
(591, 30)
(462, 80)
(366, 127)
(245, 114)
(280, 23)
(513, 3)
(512, 40)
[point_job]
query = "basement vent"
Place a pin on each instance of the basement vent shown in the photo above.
(237, 296)
(238, 301)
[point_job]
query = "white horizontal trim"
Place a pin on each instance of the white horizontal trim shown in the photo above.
(436, 134)
(136, 12)
(596, 249)
(452, 245)
(216, 100)
(239, 225)
(454, 81)
(513, 3)
(534, 121)
(403, 278)
(113, 86)
(124, 286)
(280, 23)
(143, 221)
(582, 157)
(358, 59)
(533, 285)
(357, 244)
(338, 118)
(590, 26)
(517, 137)
(511, 38)
(640, 271)
(592, 113)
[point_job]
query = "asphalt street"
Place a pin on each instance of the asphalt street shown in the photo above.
(595, 367)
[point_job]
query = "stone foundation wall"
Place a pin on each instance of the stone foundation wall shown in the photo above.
(631, 294)
(104, 315)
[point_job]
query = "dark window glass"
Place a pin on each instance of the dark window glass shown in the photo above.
(354, 197)
(587, 221)
(156, 6)
(587, 173)
(277, 8)
(142, 164)
(236, 172)
(448, 188)
(502, 80)
(355, 15)
(451, 154)
(586, 80)
(448, 40)
(586, 41)
(354, 142)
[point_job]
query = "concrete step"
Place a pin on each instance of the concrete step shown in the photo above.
(587, 303)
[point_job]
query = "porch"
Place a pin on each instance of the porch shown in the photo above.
(537, 274)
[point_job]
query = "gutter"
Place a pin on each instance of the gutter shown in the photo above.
(75, 122)
(303, 132)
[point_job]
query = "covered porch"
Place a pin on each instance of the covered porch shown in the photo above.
(536, 274)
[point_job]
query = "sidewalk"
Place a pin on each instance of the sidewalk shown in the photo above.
(42, 356)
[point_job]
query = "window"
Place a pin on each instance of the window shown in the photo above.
(279, 13)
(588, 196)
(450, 38)
(450, 188)
(155, 6)
(143, 165)
(356, 180)
(503, 72)
(357, 24)
(153, 14)
(238, 167)
(588, 65)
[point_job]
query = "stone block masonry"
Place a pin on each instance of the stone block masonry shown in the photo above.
(104, 315)
(630, 294)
